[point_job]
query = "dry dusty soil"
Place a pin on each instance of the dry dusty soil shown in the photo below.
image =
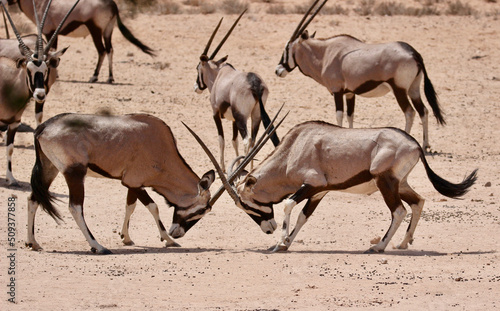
(223, 263)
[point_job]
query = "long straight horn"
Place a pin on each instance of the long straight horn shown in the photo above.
(38, 45)
(227, 35)
(296, 31)
(5, 24)
(226, 184)
(27, 51)
(212, 38)
(54, 36)
(40, 27)
(303, 28)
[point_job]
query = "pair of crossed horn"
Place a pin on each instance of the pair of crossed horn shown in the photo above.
(39, 50)
(204, 54)
(301, 27)
(227, 182)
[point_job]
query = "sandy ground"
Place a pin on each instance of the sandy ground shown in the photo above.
(223, 263)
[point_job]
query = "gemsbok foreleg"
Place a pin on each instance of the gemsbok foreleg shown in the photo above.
(304, 215)
(75, 176)
(416, 203)
(389, 188)
(220, 131)
(141, 194)
(11, 133)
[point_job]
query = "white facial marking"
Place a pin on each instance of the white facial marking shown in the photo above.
(176, 231)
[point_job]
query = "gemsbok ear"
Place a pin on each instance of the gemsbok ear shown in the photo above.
(206, 181)
(20, 62)
(313, 35)
(251, 181)
(222, 60)
(54, 57)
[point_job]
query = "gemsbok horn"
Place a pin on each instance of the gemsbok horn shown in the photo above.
(347, 66)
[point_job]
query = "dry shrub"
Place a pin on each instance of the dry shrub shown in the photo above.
(168, 7)
(460, 9)
(365, 8)
(233, 6)
(334, 10)
(277, 9)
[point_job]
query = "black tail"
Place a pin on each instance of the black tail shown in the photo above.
(39, 191)
(266, 121)
(430, 93)
(445, 187)
(130, 37)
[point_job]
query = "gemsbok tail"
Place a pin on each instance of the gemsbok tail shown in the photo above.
(39, 191)
(129, 36)
(429, 91)
(445, 187)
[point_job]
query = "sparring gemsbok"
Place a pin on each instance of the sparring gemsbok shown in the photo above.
(316, 157)
(23, 76)
(138, 149)
(347, 66)
(94, 17)
(234, 95)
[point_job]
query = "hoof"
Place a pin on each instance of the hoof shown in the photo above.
(13, 184)
(33, 247)
(93, 79)
(103, 251)
(110, 80)
(280, 248)
(128, 243)
(173, 244)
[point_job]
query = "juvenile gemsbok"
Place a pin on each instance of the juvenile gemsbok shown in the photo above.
(94, 17)
(23, 76)
(234, 95)
(347, 66)
(316, 157)
(138, 149)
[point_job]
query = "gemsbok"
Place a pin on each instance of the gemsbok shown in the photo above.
(30, 74)
(94, 17)
(138, 149)
(316, 157)
(234, 95)
(350, 67)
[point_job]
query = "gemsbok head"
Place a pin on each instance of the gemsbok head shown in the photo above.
(234, 95)
(94, 17)
(25, 75)
(315, 157)
(138, 149)
(347, 66)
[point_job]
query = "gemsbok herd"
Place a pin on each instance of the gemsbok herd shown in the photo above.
(314, 157)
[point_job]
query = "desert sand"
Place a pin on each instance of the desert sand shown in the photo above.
(224, 263)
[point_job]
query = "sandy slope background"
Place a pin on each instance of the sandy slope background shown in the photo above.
(223, 263)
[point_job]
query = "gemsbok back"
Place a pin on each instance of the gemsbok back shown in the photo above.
(138, 149)
(25, 74)
(316, 157)
(350, 67)
(234, 95)
(94, 17)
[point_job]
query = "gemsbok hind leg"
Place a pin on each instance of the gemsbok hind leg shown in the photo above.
(405, 105)
(416, 203)
(75, 176)
(389, 187)
(416, 99)
(108, 32)
(96, 34)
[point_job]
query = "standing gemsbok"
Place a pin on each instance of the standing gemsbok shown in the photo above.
(316, 157)
(234, 95)
(94, 17)
(30, 74)
(138, 149)
(347, 66)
